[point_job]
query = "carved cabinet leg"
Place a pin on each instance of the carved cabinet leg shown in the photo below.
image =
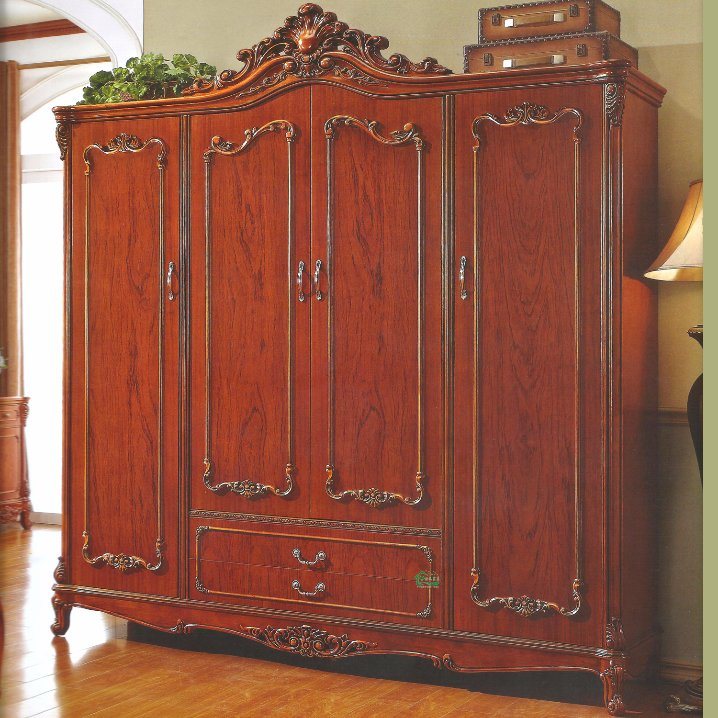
(62, 616)
(612, 677)
(25, 519)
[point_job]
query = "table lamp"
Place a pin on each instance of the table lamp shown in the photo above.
(681, 260)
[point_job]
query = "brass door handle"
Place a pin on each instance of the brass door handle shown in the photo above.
(318, 589)
(317, 291)
(321, 556)
(300, 282)
(463, 293)
(170, 274)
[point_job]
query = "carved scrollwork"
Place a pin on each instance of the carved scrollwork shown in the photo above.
(612, 678)
(614, 98)
(127, 143)
(311, 44)
(408, 133)
(62, 137)
(246, 488)
(373, 497)
(310, 642)
(59, 572)
(221, 146)
(526, 606)
(121, 561)
(62, 615)
(615, 640)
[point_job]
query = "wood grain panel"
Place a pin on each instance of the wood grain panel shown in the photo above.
(377, 329)
(126, 330)
(251, 394)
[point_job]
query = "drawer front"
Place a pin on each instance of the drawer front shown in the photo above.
(543, 19)
(573, 50)
(332, 574)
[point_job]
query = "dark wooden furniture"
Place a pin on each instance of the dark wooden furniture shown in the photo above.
(14, 485)
(359, 359)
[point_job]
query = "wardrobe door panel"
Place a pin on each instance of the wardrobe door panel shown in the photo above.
(124, 343)
(250, 308)
(377, 391)
(528, 427)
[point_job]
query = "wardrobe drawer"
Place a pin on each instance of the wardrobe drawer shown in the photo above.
(241, 565)
(544, 19)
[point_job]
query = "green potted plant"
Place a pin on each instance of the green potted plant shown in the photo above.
(148, 77)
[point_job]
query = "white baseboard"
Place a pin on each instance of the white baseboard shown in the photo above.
(679, 671)
(38, 517)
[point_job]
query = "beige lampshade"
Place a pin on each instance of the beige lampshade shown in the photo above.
(681, 260)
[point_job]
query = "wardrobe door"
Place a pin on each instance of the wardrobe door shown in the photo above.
(377, 380)
(529, 386)
(123, 391)
(250, 299)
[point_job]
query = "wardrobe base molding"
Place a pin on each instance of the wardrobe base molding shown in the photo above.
(304, 634)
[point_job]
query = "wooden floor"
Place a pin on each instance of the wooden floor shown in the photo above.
(103, 667)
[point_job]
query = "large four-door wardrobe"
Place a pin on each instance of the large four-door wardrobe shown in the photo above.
(359, 358)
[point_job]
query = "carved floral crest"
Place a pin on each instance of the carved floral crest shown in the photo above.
(304, 41)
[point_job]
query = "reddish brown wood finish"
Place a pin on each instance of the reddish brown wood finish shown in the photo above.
(14, 485)
(516, 402)
(34, 30)
(124, 461)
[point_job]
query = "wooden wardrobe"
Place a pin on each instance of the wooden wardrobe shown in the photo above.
(359, 358)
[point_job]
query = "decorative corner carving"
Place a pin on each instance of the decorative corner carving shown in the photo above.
(614, 98)
(310, 642)
(200, 586)
(408, 133)
(62, 137)
(121, 561)
(308, 43)
(526, 606)
(246, 488)
(59, 572)
(221, 146)
(127, 143)
(374, 497)
(612, 678)
(615, 640)
(182, 627)
(425, 612)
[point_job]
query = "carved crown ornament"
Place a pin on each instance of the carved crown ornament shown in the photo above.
(309, 45)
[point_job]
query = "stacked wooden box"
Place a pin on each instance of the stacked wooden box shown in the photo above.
(575, 32)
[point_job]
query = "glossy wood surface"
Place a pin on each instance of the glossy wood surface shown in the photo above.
(253, 334)
(106, 667)
(125, 427)
(377, 381)
(527, 358)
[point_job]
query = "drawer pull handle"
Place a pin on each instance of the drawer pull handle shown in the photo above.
(534, 18)
(318, 589)
(462, 278)
(532, 60)
(321, 556)
(300, 282)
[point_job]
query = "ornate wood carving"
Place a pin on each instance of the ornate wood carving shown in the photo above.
(614, 97)
(220, 146)
(374, 497)
(529, 113)
(59, 573)
(310, 642)
(615, 640)
(62, 137)
(62, 615)
(125, 142)
(612, 678)
(310, 44)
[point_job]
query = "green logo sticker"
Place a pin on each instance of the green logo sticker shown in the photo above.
(427, 579)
